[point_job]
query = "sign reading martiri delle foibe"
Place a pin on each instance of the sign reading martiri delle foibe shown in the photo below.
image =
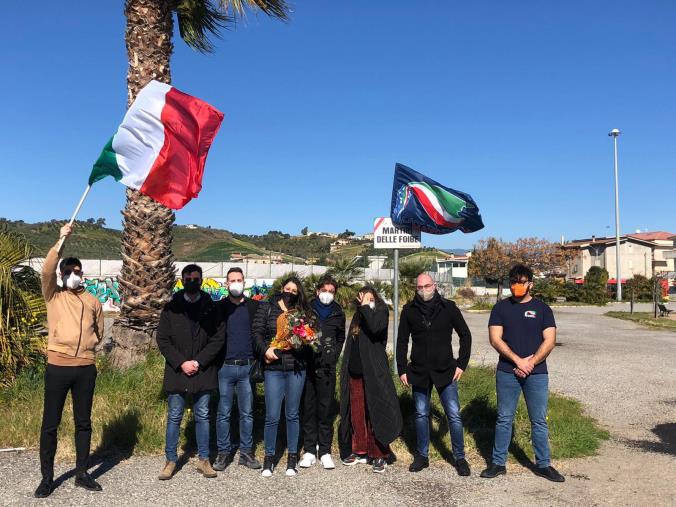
(388, 235)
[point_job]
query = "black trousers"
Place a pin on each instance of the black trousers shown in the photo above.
(80, 381)
(319, 410)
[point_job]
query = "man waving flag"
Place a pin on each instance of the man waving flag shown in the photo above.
(161, 146)
(436, 209)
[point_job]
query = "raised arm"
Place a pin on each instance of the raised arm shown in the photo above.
(48, 275)
(374, 321)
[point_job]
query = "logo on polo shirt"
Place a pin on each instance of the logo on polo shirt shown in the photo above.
(530, 314)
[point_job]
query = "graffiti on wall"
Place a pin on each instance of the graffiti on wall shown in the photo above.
(217, 290)
(107, 291)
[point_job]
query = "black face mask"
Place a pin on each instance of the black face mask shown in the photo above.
(289, 298)
(192, 286)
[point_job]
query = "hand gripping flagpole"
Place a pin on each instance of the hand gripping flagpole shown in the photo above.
(77, 210)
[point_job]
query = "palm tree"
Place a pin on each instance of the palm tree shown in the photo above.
(22, 308)
(408, 272)
(148, 275)
(346, 270)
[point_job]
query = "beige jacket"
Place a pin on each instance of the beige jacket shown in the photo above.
(75, 319)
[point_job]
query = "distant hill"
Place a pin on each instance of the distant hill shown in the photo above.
(93, 240)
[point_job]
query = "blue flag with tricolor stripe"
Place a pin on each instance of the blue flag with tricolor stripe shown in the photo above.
(436, 209)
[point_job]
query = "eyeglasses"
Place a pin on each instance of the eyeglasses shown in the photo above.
(192, 279)
(425, 287)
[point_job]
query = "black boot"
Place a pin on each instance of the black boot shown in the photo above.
(292, 464)
(463, 468)
(420, 462)
(493, 471)
(223, 460)
(84, 480)
(44, 489)
(549, 473)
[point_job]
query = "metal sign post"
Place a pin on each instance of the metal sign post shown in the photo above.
(388, 235)
(395, 302)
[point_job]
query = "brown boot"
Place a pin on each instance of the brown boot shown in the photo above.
(204, 467)
(168, 471)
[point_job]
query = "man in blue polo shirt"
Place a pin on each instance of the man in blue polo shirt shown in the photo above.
(233, 376)
(523, 331)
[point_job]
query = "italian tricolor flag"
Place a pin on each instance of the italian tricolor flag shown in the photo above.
(162, 145)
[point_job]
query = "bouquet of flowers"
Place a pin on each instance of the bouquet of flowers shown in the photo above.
(294, 329)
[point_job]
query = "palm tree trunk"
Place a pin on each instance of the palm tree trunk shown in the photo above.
(147, 275)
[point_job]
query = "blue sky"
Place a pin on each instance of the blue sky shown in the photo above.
(508, 101)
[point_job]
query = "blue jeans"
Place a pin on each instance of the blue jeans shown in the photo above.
(231, 378)
(536, 392)
(280, 386)
(449, 400)
(201, 410)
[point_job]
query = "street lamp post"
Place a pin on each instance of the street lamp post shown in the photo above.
(615, 133)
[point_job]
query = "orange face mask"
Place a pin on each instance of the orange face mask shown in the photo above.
(519, 290)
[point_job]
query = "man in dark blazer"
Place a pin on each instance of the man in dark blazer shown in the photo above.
(430, 320)
(190, 336)
(235, 363)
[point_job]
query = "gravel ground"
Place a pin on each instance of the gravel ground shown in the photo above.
(624, 374)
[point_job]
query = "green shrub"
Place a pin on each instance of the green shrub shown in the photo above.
(548, 289)
(22, 309)
(595, 290)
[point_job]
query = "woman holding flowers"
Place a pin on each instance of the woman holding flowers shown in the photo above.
(284, 336)
(370, 418)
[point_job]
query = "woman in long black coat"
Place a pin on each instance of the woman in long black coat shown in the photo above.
(370, 418)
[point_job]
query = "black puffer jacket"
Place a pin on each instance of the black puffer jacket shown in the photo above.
(332, 338)
(265, 328)
(180, 339)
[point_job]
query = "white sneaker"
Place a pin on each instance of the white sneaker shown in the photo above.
(266, 472)
(307, 460)
(291, 472)
(327, 462)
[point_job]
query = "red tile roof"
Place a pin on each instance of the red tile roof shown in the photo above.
(652, 236)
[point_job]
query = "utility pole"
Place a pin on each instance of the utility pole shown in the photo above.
(615, 133)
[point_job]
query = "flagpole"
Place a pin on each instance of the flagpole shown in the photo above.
(395, 283)
(77, 210)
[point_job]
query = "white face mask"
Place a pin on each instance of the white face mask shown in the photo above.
(236, 289)
(426, 295)
(72, 281)
(372, 305)
(326, 298)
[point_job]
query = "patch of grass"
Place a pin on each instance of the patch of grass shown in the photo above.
(129, 417)
(481, 305)
(645, 319)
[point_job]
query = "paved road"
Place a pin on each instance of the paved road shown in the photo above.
(624, 375)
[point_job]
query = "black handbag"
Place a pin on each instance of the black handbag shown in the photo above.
(256, 372)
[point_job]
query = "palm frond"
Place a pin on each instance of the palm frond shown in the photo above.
(22, 309)
(198, 20)
(273, 8)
